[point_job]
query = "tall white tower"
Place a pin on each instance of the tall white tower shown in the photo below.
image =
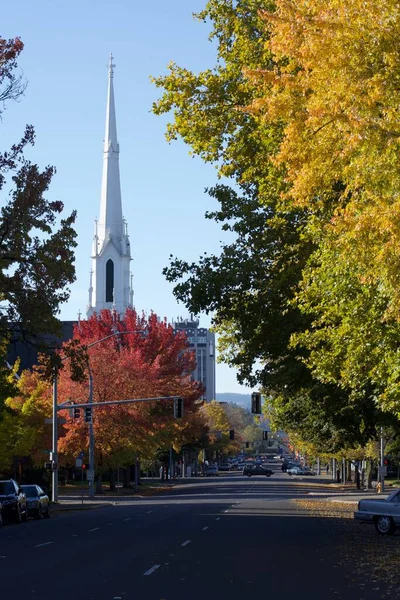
(110, 278)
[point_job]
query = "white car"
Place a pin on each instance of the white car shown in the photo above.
(295, 471)
(383, 513)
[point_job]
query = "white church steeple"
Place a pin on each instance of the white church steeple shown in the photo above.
(110, 280)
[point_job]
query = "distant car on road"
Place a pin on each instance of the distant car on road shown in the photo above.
(383, 513)
(37, 500)
(299, 471)
(211, 470)
(250, 470)
(13, 501)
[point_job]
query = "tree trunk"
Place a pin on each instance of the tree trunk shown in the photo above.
(112, 480)
(369, 475)
(349, 473)
(98, 484)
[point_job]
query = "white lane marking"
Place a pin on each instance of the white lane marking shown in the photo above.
(74, 535)
(218, 518)
(128, 519)
(186, 543)
(45, 544)
(153, 568)
(148, 512)
(94, 529)
(205, 528)
(225, 511)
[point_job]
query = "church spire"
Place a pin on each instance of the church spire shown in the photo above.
(110, 224)
(110, 282)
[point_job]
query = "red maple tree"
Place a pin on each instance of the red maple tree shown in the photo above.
(141, 357)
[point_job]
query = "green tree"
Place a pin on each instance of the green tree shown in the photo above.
(36, 246)
(253, 286)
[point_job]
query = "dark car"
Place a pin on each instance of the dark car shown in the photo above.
(225, 467)
(37, 500)
(250, 470)
(13, 501)
(212, 470)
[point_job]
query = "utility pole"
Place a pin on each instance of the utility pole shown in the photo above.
(54, 453)
(91, 438)
(382, 477)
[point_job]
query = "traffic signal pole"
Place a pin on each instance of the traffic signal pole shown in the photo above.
(91, 438)
(54, 453)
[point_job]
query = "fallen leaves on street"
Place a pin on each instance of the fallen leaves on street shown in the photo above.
(375, 558)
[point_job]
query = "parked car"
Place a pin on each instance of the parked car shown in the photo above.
(298, 471)
(225, 467)
(37, 500)
(13, 501)
(383, 513)
(211, 470)
(250, 470)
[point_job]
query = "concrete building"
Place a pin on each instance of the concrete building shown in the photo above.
(201, 340)
(110, 277)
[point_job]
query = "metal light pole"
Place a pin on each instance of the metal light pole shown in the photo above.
(91, 438)
(382, 478)
(54, 453)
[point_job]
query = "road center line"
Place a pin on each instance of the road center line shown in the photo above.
(153, 568)
(186, 543)
(148, 512)
(128, 519)
(45, 544)
(94, 529)
(218, 518)
(205, 528)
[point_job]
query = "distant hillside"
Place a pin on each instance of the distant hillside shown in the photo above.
(241, 399)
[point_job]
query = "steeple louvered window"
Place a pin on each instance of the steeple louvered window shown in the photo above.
(109, 281)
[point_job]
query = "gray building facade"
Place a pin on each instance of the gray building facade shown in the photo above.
(202, 341)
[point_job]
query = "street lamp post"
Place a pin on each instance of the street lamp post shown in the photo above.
(382, 461)
(54, 453)
(91, 438)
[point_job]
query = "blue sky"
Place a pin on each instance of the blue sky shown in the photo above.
(67, 45)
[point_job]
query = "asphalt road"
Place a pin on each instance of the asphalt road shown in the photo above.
(214, 538)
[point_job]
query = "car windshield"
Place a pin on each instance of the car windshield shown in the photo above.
(30, 491)
(394, 496)
(6, 487)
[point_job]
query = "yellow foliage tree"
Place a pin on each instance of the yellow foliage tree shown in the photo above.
(335, 87)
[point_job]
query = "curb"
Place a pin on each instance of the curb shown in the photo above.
(59, 508)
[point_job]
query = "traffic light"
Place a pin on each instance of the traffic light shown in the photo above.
(88, 414)
(48, 465)
(256, 403)
(178, 408)
(231, 434)
(265, 435)
(77, 413)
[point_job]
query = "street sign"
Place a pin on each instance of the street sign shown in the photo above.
(90, 475)
(78, 462)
